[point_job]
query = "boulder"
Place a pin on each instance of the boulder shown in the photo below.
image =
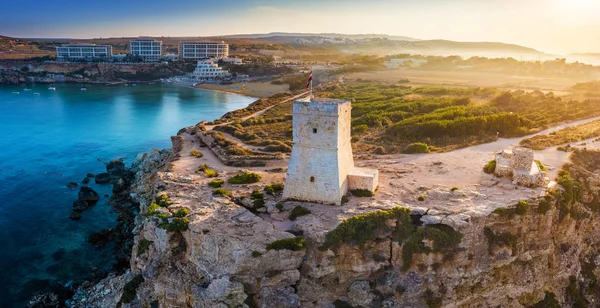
(90, 175)
(75, 215)
(72, 185)
(79, 205)
(102, 178)
(101, 237)
(115, 168)
(88, 195)
(85, 181)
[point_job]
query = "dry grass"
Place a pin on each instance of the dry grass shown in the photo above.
(566, 135)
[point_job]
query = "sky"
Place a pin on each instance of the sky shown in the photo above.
(553, 26)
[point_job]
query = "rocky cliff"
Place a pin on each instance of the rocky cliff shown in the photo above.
(15, 72)
(196, 247)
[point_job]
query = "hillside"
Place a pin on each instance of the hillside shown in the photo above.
(16, 48)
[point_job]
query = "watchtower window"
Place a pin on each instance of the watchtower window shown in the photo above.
(312, 179)
(314, 130)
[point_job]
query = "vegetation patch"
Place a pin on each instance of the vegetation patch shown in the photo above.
(520, 208)
(143, 246)
(295, 244)
(274, 188)
(454, 188)
(208, 172)
(221, 192)
(196, 153)
(256, 254)
(216, 183)
(362, 193)
(443, 239)
(540, 165)
(359, 229)
(177, 224)
(549, 301)
(565, 135)
(182, 213)
(416, 147)
(163, 200)
(258, 199)
(490, 167)
(298, 211)
(545, 205)
(245, 178)
(152, 208)
(421, 198)
(344, 199)
(130, 289)
(575, 295)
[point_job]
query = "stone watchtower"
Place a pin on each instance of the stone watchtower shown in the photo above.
(321, 167)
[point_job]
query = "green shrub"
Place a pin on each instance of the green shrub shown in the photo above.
(522, 207)
(421, 198)
(216, 183)
(245, 178)
(273, 188)
(182, 213)
(196, 153)
(208, 172)
(490, 167)
(549, 301)
(454, 188)
(221, 192)
(359, 229)
(562, 148)
(575, 295)
(279, 206)
(177, 224)
(295, 244)
(417, 147)
(130, 289)
(361, 193)
(541, 166)
(152, 209)
(163, 200)
(544, 206)
(379, 150)
(143, 246)
(164, 218)
(298, 211)
(258, 199)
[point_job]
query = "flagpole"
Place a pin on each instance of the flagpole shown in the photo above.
(311, 81)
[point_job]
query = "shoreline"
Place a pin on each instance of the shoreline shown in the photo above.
(253, 89)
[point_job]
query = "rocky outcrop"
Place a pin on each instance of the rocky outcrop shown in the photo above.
(367, 254)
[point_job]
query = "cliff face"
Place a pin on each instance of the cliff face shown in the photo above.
(15, 72)
(367, 254)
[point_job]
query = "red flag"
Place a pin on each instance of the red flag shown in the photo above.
(308, 83)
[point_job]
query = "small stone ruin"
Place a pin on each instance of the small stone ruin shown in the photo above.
(519, 164)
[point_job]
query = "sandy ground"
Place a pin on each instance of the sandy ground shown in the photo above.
(457, 78)
(254, 89)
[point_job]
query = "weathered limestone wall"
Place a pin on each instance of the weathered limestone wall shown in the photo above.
(362, 178)
(321, 156)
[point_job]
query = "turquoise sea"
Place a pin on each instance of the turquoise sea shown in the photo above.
(57, 137)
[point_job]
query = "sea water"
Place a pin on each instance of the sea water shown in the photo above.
(52, 137)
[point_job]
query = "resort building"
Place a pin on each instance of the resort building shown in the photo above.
(203, 50)
(208, 70)
(83, 52)
(236, 61)
(148, 49)
(321, 167)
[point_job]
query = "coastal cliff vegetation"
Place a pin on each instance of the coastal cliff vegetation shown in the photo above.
(395, 118)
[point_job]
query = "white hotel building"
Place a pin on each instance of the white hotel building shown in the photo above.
(149, 49)
(208, 70)
(203, 50)
(83, 52)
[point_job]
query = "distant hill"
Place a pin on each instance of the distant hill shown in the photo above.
(349, 36)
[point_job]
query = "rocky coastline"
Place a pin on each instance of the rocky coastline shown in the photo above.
(24, 72)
